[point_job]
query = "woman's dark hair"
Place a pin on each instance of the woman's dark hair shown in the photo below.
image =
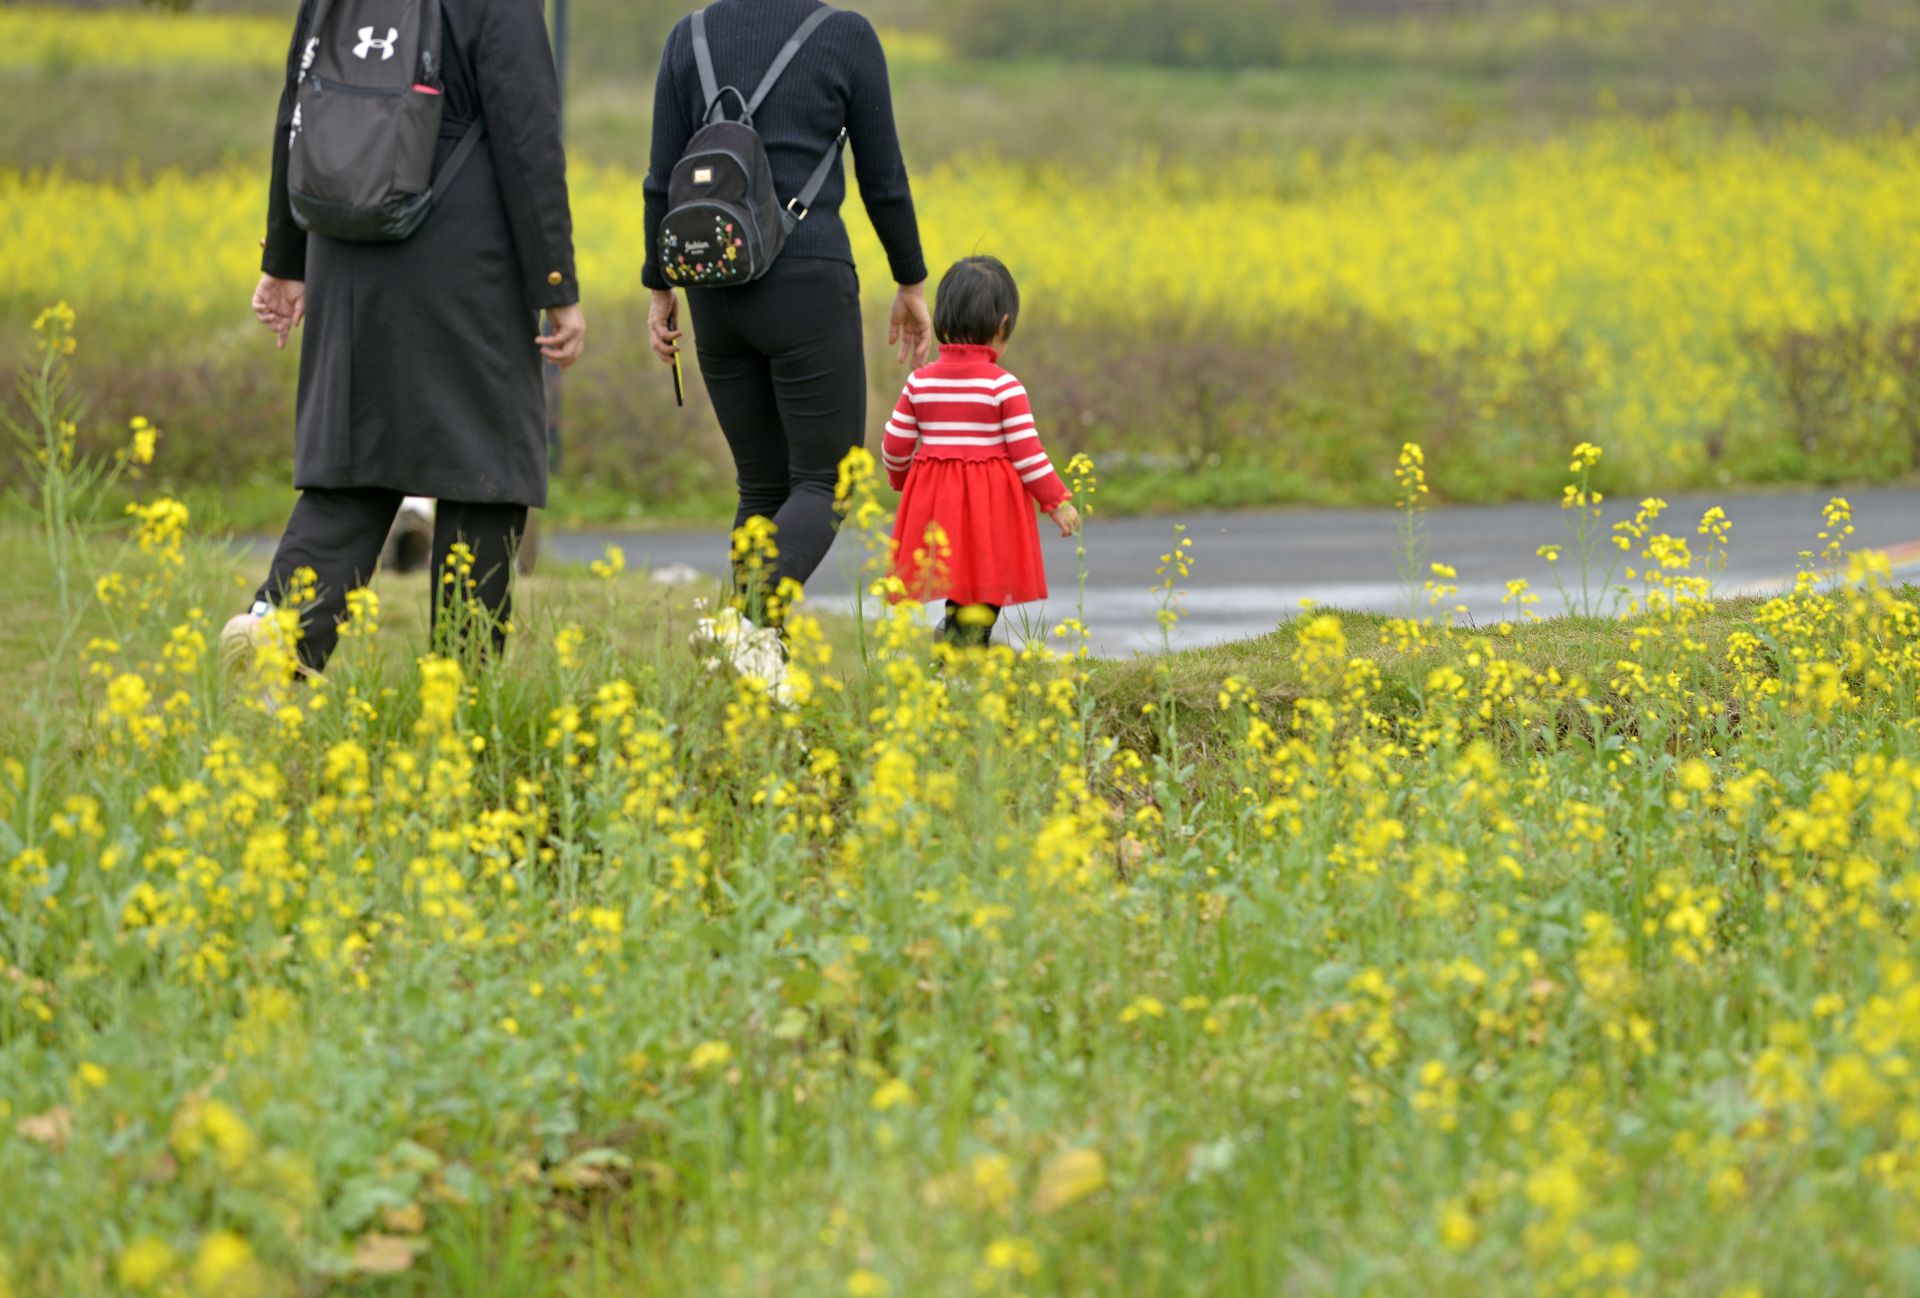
(974, 297)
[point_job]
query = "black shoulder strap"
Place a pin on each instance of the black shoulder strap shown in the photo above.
(803, 201)
(458, 158)
(430, 33)
(316, 18)
(710, 88)
(431, 65)
(791, 48)
(703, 57)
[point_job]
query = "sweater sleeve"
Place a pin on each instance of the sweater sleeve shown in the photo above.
(520, 100)
(284, 251)
(901, 441)
(1028, 455)
(673, 127)
(878, 163)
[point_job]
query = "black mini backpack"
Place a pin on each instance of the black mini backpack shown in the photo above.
(725, 224)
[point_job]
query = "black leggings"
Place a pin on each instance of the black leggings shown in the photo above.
(784, 359)
(339, 533)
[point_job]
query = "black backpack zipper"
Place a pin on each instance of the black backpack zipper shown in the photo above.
(321, 86)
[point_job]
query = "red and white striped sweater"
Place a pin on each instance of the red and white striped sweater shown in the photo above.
(965, 407)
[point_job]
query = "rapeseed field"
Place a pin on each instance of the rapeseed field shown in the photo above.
(1570, 955)
(1711, 302)
(40, 36)
(1571, 958)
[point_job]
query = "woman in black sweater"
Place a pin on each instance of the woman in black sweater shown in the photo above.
(783, 357)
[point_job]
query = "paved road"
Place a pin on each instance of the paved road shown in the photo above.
(1252, 570)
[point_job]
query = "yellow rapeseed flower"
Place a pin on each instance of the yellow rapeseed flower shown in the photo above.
(145, 1263)
(709, 1055)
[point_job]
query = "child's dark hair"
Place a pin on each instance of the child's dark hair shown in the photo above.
(974, 297)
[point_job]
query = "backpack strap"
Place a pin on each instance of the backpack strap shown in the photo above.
(315, 25)
(430, 33)
(710, 87)
(458, 158)
(813, 24)
(703, 59)
(802, 203)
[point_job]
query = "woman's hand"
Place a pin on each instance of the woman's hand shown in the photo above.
(566, 338)
(662, 316)
(280, 305)
(911, 325)
(1066, 517)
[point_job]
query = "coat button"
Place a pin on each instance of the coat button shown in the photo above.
(555, 279)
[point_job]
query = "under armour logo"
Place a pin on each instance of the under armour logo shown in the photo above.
(368, 44)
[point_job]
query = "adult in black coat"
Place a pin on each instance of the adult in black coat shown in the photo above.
(420, 365)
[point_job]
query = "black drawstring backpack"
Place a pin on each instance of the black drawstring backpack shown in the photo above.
(725, 223)
(366, 121)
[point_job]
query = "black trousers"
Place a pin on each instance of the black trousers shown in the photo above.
(784, 360)
(339, 533)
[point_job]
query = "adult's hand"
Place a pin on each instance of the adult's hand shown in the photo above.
(911, 325)
(280, 305)
(663, 324)
(566, 338)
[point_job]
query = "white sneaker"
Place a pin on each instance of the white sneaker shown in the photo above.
(245, 635)
(238, 639)
(409, 546)
(731, 642)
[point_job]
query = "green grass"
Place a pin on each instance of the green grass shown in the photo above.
(558, 594)
(1588, 649)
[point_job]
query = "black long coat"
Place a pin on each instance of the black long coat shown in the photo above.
(418, 370)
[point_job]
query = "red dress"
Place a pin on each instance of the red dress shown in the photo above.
(963, 450)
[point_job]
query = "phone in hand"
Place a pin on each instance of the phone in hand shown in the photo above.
(679, 375)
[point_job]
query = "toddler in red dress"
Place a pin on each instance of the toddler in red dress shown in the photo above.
(964, 452)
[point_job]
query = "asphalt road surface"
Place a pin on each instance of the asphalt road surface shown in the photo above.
(1251, 570)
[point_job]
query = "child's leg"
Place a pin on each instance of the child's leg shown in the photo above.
(969, 626)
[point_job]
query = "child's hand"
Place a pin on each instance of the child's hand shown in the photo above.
(1067, 517)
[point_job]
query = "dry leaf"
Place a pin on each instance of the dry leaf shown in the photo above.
(592, 1169)
(440, 1191)
(576, 1176)
(378, 1254)
(940, 1191)
(410, 1220)
(50, 1128)
(1070, 1177)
